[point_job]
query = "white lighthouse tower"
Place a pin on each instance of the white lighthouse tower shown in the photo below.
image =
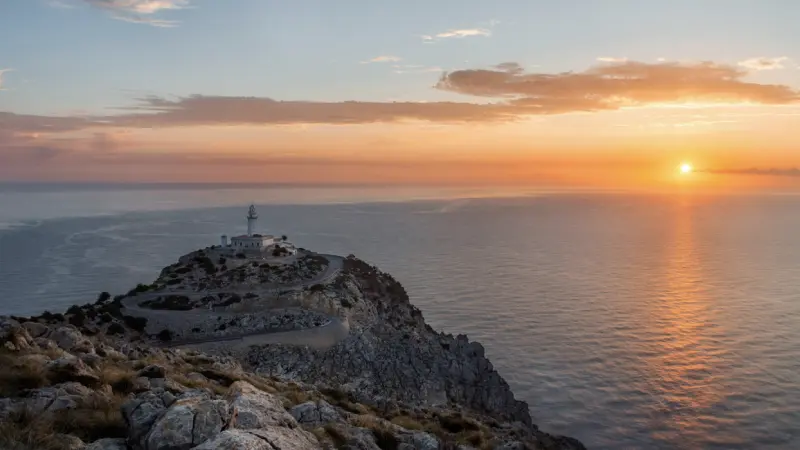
(252, 218)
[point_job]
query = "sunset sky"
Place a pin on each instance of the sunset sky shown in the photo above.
(617, 93)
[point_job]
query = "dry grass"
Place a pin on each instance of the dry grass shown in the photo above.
(409, 423)
(381, 430)
(120, 377)
(93, 419)
(18, 376)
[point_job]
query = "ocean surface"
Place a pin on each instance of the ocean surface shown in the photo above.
(627, 321)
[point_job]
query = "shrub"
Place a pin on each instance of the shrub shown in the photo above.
(141, 288)
(103, 297)
(115, 328)
(74, 309)
(164, 335)
(241, 255)
(78, 319)
(317, 288)
(135, 323)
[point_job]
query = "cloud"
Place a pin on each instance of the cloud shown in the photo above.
(513, 92)
(764, 63)
(460, 33)
(155, 111)
(382, 58)
(140, 11)
(774, 172)
(612, 59)
(415, 68)
(2, 72)
(614, 86)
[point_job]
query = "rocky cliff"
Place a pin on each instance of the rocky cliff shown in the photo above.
(100, 377)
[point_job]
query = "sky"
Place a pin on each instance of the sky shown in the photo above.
(581, 93)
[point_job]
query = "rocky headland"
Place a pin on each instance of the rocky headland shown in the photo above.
(306, 351)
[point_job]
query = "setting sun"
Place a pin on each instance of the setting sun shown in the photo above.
(686, 168)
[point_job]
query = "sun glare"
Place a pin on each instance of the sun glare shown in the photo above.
(686, 168)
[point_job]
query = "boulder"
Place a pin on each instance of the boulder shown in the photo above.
(67, 368)
(257, 409)
(315, 413)
(36, 329)
(267, 438)
(69, 442)
(153, 371)
(58, 398)
(66, 337)
(141, 412)
(187, 423)
(108, 444)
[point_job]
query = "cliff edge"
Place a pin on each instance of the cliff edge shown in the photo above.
(306, 351)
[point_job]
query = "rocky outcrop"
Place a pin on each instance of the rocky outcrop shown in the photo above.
(94, 379)
(392, 354)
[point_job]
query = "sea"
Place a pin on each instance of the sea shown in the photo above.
(628, 321)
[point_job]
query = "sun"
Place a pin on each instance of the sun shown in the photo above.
(686, 168)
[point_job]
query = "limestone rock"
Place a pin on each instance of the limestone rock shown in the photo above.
(188, 423)
(267, 438)
(141, 412)
(108, 444)
(315, 413)
(153, 371)
(71, 369)
(66, 337)
(36, 329)
(257, 409)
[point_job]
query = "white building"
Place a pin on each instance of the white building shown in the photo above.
(254, 242)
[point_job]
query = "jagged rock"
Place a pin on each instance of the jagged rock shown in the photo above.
(267, 438)
(141, 384)
(516, 445)
(420, 441)
(36, 329)
(69, 442)
(58, 398)
(153, 371)
(142, 411)
(361, 439)
(168, 385)
(92, 360)
(66, 337)
(71, 369)
(108, 444)
(315, 414)
(257, 409)
(187, 423)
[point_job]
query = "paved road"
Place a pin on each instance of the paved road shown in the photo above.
(327, 334)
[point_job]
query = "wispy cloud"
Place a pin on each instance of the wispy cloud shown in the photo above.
(616, 85)
(416, 68)
(140, 11)
(460, 33)
(382, 59)
(764, 63)
(3, 72)
(774, 172)
(611, 59)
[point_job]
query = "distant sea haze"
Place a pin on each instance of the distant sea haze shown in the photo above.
(626, 321)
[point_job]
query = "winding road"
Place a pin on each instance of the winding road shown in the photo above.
(323, 336)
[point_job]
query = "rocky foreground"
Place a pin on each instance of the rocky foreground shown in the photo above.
(98, 378)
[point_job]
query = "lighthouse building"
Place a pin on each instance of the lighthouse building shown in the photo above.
(254, 242)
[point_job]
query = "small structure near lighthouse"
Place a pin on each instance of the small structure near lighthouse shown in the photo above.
(253, 242)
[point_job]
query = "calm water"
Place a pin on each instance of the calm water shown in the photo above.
(626, 321)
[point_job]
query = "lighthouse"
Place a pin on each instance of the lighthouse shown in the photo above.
(252, 218)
